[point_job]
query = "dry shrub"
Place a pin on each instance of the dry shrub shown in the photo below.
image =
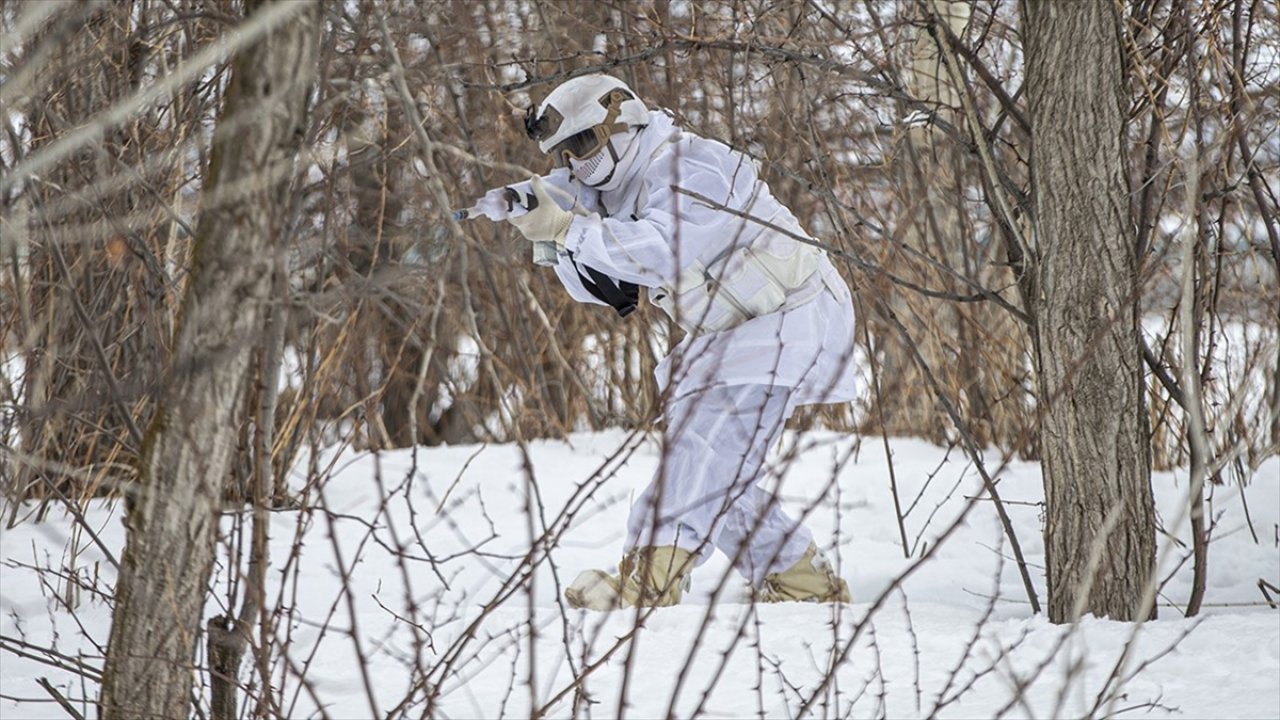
(405, 328)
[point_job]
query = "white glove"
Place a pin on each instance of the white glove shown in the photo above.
(545, 222)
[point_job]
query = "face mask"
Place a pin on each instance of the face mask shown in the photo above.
(605, 169)
(597, 169)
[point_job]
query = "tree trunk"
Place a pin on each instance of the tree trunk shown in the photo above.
(173, 512)
(1099, 515)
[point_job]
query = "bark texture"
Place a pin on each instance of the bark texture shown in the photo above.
(172, 516)
(1094, 442)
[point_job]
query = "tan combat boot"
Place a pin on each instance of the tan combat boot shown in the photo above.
(647, 576)
(811, 579)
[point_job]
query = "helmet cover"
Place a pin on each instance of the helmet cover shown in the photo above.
(577, 119)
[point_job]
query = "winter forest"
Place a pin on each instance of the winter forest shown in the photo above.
(283, 435)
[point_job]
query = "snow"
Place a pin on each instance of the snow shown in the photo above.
(896, 649)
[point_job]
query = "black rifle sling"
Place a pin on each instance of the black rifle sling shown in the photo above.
(618, 294)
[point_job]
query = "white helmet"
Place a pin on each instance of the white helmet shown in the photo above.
(577, 119)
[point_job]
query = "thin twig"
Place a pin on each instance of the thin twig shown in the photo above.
(60, 698)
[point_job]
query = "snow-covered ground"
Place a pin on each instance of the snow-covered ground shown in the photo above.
(427, 540)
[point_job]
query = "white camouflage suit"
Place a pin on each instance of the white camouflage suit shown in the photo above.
(729, 391)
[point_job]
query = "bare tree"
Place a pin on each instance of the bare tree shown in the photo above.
(94, 265)
(1082, 274)
(985, 377)
(173, 512)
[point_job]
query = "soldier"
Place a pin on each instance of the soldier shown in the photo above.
(638, 202)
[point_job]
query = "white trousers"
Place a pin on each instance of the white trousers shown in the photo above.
(706, 494)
